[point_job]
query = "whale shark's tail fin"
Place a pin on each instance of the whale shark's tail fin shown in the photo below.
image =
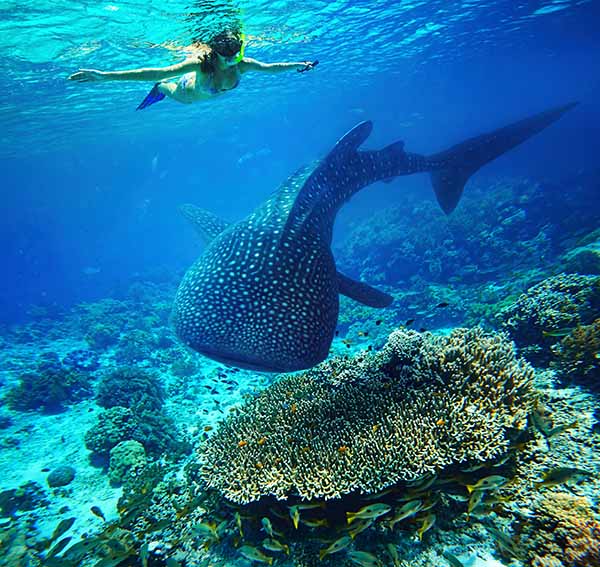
(451, 169)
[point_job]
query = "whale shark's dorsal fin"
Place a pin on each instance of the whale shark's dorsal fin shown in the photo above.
(362, 292)
(350, 141)
(207, 225)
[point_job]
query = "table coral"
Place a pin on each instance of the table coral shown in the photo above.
(360, 424)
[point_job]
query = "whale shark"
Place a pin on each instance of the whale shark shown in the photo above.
(264, 294)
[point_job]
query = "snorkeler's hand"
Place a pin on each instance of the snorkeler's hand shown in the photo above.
(88, 75)
(308, 65)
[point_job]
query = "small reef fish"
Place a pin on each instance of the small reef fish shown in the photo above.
(295, 515)
(393, 553)
(62, 527)
(336, 546)
(311, 506)
(488, 483)
(540, 420)
(427, 524)
(505, 543)
(562, 332)
(371, 511)
(267, 527)
(315, 522)
(58, 547)
(452, 559)
(238, 523)
(97, 512)
(423, 483)
(364, 559)
(360, 527)
(442, 305)
(253, 554)
(274, 545)
(408, 322)
(409, 509)
(563, 475)
(207, 529)
(475, 500)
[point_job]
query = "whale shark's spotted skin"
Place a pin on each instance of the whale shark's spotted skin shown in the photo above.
(265, 293)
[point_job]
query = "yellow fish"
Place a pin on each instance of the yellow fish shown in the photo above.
(428, 522)
(267, 526)
(336, 546)
(274, 545)
(254, 554)
(488, 483)
(360, 527)
(295, 516)
(364, 559)
(369, 512)
(409, 509)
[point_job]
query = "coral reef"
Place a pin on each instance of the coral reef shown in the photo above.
(27, 497)
(134, 398)
(539, 317)
(578, 355)
(81, 360)
(114, 425)
(420, 405)
(125, 458)
(49, 387)
(135, 346)
(131, 387)
(563, 531)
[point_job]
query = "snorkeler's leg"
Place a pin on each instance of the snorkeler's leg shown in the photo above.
(158, 92)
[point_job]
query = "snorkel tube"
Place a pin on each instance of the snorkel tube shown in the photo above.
(240, 54)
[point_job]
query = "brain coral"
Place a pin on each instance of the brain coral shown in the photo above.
(361, 424)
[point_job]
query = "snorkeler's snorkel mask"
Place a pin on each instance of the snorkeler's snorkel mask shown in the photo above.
(236, 57)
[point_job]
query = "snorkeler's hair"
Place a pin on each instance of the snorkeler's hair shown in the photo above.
(226, 43)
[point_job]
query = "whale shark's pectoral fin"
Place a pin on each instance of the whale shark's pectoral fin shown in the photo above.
(451, 169)
(362, 292)
(207, 225)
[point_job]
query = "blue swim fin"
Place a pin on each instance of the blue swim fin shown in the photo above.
(153, 96)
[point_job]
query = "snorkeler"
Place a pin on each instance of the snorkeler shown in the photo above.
(215, 68)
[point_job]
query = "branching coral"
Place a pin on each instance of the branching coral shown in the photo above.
(563, 531)
(578, 355)
(421, 404)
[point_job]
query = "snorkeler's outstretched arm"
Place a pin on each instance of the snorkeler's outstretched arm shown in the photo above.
(249, 64)
(144, 74)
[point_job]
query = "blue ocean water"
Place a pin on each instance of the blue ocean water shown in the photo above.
(112, 427)
(91, 187)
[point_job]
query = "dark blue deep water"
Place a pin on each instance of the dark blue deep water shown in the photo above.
(91, 187)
